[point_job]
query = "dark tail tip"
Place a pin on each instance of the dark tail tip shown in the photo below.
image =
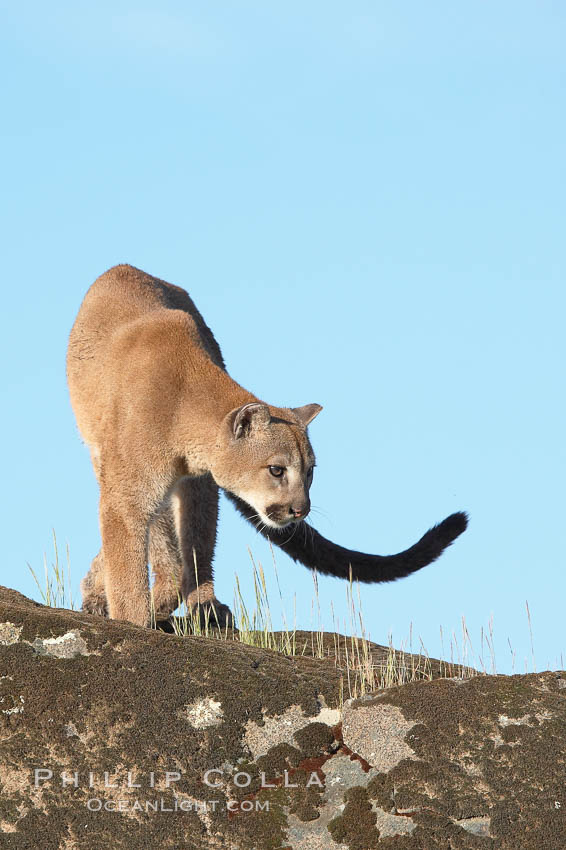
(451, 528)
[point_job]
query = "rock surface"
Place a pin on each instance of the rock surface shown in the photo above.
(112, 736)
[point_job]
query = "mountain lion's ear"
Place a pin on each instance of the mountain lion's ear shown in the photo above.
(247, 418)
(307, 412)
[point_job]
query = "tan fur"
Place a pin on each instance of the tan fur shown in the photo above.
(166, 426)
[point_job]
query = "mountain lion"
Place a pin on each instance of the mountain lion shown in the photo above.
(166, 427)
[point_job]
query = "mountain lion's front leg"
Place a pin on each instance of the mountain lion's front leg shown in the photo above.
(195, 510)
(166, 562)
(124, 548)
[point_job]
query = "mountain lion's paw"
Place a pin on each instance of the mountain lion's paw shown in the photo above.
(95, 605)
(215, 614)
(92, 590)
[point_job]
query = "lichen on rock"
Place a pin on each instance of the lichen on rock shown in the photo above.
(200, 743)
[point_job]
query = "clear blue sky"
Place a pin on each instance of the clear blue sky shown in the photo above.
(366, 202)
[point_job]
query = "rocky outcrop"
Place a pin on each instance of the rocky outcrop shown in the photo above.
(112, 736)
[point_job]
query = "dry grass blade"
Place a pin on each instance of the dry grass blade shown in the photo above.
(364, 666)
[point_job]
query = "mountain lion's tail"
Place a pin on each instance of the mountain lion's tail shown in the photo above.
(310, 548)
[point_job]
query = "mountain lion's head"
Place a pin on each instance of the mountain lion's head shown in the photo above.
(263, 455)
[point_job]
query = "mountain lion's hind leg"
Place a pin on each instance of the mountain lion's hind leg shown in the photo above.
(195, 510)
(92, 585)
(92, 588)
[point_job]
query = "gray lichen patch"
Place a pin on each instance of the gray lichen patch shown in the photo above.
(16, 708)
(280, 728)
(330, 716)
(68, 645)
(477, 826)
(312, 835)
(525, 720)
(390, 825)
(341, 774)
(376, 732)
(276, 730)
(9, 633)
(203, 713)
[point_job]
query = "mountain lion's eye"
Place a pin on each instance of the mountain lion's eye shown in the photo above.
(277, 471)
(310, 473)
